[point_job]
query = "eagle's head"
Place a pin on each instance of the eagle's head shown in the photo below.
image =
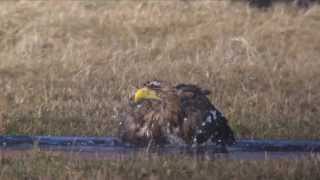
(145, 93)
(154, 84)
(159, 86)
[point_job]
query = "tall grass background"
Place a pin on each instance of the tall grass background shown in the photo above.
(68, 67)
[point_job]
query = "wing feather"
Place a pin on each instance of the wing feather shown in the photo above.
(203, 120)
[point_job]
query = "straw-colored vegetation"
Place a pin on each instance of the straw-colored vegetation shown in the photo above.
(37, 165)
(67, 68)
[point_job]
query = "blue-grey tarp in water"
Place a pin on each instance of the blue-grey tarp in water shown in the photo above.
(243, 147)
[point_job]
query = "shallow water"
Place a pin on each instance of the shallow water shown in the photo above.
(113, 148)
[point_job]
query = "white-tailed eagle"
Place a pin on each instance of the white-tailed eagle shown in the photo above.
(162, 113)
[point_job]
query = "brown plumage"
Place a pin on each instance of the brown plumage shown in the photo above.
(141, 123)
(183, 114)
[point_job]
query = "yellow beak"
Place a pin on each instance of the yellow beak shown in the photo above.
(145, 93)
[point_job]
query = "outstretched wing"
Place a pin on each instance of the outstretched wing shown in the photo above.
(202, 120)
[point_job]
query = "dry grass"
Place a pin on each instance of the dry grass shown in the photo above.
(52, 166)
(66, 68)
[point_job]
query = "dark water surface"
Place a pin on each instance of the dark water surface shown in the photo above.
(113, 148)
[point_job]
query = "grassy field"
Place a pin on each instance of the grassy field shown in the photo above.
(67, 68)
(37, 165)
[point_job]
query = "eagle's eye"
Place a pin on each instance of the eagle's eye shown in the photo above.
(145, 93)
